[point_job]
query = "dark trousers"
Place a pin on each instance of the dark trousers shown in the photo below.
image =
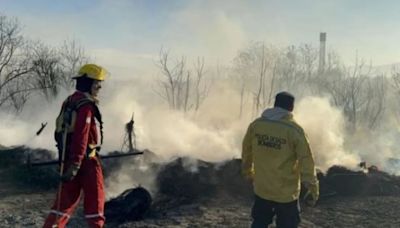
(263, 212)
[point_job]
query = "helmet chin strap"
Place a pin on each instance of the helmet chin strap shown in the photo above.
(94, 98)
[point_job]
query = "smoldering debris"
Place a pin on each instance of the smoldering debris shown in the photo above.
(131, 205)
(200, 179)
(212, 179)
(186, 180)
(191, 179)
(176, 180)
(21, 155)
(16, 160)
(367, 182)
(112, 166)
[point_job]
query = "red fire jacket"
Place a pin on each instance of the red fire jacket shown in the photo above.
(85, 131)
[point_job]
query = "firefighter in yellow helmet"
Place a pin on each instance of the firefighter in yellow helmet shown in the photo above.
(92, 71)
(78, 143)
(276, 157)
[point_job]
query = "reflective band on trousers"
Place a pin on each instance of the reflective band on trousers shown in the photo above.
(59, 213)
(93, 215)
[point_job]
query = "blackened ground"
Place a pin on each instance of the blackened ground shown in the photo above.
(24, 208)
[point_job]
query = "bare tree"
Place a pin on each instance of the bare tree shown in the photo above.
(177, 85)
(173, 81)
(72, 56)
(28, 67)
(289, 71)
(375, 105)
(297, 69)
(261, 71)
(255, 72)
(354, 82)
(360, 94)
(395, 79)
(14, 66)
(53, 68)
(331, 81)
(241, 74)
(260, 93)
(308, 60)
(201, 87)
(46, 69)
(395, 74)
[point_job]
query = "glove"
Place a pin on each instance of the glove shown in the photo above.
(312, 195)
(249, 176)
(70, 173)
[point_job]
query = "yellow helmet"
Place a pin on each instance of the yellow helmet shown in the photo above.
(92, 71)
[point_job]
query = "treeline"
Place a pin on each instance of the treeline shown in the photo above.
(366, 97)
(256, 73)
(359, 91)
(259, 71)
(31, 67)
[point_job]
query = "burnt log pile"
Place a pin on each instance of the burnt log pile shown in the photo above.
(21, 155)
(369, 182)
(202, 179)
(214, 179)
(15, 162)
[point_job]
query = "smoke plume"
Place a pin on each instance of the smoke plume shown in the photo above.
(212, 133)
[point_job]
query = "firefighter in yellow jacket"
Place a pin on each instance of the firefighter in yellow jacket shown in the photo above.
(276, 157)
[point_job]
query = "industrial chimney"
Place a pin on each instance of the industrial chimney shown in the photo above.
(322, 39)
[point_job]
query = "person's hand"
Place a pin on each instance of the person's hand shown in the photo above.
(249, 178)
(70, 173)
(312, 195)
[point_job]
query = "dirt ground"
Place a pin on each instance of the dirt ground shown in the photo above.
(28, 208)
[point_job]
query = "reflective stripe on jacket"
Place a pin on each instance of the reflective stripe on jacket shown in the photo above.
(276, 153)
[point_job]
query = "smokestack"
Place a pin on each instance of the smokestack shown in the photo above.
(322, 40)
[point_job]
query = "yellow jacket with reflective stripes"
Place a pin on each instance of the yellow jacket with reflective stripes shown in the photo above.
(276, 155)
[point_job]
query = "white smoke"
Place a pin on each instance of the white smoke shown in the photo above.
(325, 127)
(213, 133)
(21, 129)
(138, 173)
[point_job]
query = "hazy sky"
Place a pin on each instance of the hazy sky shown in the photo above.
(129, 33)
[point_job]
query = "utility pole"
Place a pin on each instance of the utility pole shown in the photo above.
(322, 47)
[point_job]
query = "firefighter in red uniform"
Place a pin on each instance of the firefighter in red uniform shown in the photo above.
(82, 169)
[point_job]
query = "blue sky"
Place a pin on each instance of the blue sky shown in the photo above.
(121, 32)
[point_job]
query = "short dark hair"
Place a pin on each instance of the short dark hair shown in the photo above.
(284, 100)
(84, 84)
